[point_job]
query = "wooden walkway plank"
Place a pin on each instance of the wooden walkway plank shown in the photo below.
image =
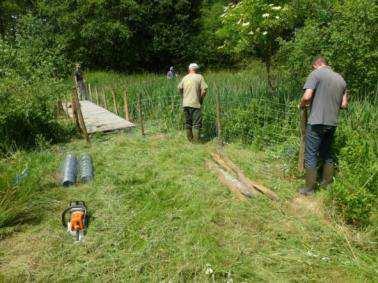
(98, 119)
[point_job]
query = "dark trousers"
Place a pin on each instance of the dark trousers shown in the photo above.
(82, 90)
(193, 118)
(319, 139)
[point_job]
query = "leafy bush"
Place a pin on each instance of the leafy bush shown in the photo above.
(29, 88)
(346, 37)
(355, 190)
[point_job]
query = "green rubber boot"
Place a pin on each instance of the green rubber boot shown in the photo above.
(328, 170)
(196, 135)
(189, 135)
(309, 188)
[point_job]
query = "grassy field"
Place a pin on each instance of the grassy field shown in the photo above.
(159, 215)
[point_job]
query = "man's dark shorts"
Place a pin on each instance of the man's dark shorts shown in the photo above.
(193, 117)
(319, 139)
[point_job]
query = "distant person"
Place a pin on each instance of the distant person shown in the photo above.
(325, 92)
(171, 73)
(80, 82)
(193, 89)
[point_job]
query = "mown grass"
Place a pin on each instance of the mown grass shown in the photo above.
(252, 115)
(159, 215)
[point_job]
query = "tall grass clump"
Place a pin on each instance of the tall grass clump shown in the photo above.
(25, 187)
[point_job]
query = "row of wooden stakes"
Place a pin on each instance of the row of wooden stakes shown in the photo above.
(128, 117)
(234, 178)
(100, 99)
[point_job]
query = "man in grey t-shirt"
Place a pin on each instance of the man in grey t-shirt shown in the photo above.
(325, 92)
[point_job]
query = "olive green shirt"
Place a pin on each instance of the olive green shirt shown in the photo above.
(192, 86)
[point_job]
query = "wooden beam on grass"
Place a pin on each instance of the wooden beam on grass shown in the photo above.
(242, 177)
(236, 187)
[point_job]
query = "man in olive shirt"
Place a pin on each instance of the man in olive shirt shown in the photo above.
(325, 92)
(193, 90)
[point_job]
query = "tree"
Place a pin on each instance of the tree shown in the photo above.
(253, 27)
(347, 37)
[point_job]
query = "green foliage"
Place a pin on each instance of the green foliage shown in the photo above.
(28, 93)
(125, 34)
(255, 26)
(354, 194)
(158, 214)
(24, 187)
(249, 115)
(347, 37)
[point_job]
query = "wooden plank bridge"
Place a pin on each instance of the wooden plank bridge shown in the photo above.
(98, 119)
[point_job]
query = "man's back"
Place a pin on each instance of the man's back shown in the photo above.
(192, 86)
(329, 89)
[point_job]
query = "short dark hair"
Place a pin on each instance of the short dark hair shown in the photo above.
(319, 60)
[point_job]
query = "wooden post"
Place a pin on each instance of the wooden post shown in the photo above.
(80, 117)
(219, 126)
(126, 106)
(104, 99)
(97, 99)
(74, 108)
(89, 92)
(115, 102)
(303, 124)
(140, 114)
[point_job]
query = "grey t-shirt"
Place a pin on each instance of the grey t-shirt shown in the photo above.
(329, 89)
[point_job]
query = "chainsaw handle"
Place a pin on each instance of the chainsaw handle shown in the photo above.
(64, 223)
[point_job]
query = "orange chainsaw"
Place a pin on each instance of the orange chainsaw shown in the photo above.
(78, 219)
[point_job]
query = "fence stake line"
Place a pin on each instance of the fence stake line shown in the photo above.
(219, 126)
(104, 99)
(140, 114)
(97, 99)
(126, 106)
(115, 102)
(90, 92)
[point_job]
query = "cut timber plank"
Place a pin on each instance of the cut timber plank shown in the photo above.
(98, 119)
(231, 166)
(239, 189)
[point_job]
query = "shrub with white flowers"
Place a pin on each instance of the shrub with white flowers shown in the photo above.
(253, 27)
